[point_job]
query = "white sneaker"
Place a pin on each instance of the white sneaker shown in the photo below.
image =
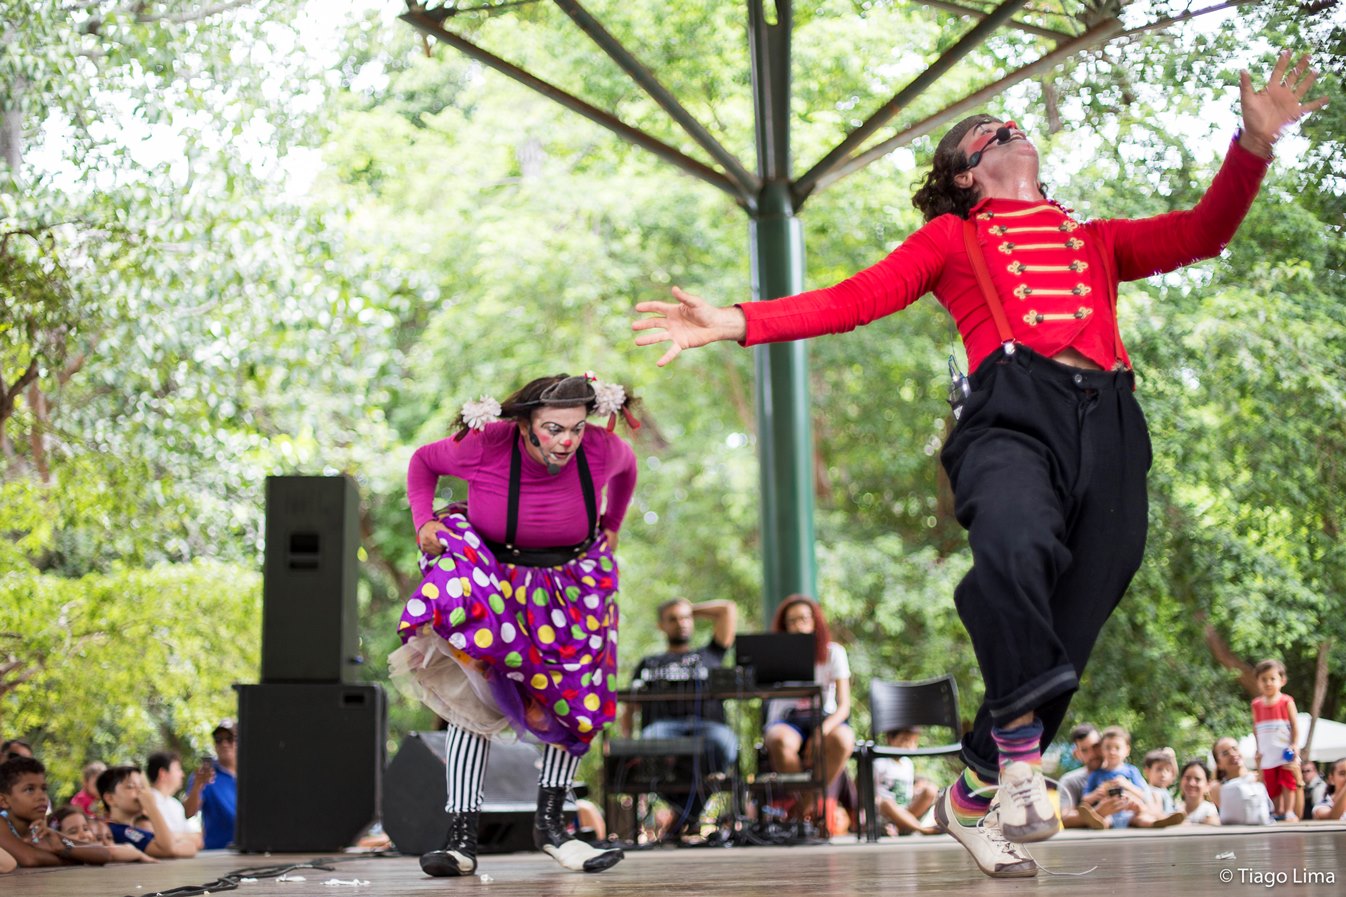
(993, 854)
(1026, 810)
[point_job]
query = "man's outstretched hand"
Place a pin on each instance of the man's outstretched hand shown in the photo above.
(1269, 111)
(687, 323)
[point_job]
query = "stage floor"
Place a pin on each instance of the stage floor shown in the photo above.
(1304, 860)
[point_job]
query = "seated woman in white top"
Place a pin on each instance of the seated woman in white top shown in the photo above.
(1241, 797)
(793, 734)
(1194, 783)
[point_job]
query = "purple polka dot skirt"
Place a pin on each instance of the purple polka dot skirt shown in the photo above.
(489, 645)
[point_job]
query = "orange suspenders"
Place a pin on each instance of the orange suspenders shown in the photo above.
(978, 260)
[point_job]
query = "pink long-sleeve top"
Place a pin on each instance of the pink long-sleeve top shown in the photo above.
(1056, 277)
(551, 508)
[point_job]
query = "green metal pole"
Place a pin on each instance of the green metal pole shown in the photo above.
(784, 427)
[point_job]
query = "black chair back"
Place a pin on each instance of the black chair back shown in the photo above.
(900, 705)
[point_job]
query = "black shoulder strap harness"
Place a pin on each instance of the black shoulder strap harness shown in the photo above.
(545, 557)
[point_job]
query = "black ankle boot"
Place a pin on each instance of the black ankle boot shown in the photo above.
(459, 854)
(550, 836)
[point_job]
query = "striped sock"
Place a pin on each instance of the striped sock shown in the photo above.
(464, 768)
(1021, 745)
(558, 767)
(971, 797)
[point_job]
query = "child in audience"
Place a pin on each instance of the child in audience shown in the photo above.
(1161, 770)
(163, 770)
(1194, 785)
(24, 834)
(901, 797)
(1333, 804)
(102, 833)
(71, 822)
(128, 797)
(1117, 778)
(86, 798)
(15, 747)
(1276, 722)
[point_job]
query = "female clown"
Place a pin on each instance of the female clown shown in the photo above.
(514, 625)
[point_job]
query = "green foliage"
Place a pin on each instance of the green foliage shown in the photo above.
(114, 666)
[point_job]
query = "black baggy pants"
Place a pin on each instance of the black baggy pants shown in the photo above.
(1048, 467)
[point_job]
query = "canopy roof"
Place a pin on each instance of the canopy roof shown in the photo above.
(1062, 29)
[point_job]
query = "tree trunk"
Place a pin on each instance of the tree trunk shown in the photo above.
(1225, 656)
(11, 123)
(37, 437)
(1052, 101)
(1319, 693)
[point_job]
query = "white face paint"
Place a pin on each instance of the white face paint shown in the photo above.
(559, 432)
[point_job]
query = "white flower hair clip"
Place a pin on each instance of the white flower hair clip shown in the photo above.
(610, 399)
(476, 415)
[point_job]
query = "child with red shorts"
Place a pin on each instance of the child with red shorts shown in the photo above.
(1275, 720)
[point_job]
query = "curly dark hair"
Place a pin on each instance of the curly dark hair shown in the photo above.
(822, 633)
(13, 768)
(938, 194)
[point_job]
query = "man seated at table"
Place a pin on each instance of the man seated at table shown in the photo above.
(686, 671)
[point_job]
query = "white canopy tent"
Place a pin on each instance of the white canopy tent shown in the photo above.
(1329, 741)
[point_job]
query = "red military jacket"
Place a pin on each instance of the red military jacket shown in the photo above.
(1056, 277)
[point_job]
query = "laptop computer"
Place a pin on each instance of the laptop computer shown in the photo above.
(776, 657)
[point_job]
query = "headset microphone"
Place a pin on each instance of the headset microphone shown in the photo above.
(1002, 136)
(552, 469)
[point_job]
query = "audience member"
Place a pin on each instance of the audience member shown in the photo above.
(219, 795)
(134, 817)
(1241, 797)
(102, 834)
(86, 798)
(1161, 771)
(1194, 786)
(1333, 804)
(163, 770)
(25, 835)
(901, 797)
(793, 735)
(1314, 786)
(1117, 778)
(1075, 812)
(686, 670)
(15, 747)
(1276, 723)
(71, 822)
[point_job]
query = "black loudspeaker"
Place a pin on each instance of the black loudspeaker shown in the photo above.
(414, 793)
(309, 625)
(310, 765)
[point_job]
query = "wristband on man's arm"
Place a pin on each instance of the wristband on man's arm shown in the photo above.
(1261, 146)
